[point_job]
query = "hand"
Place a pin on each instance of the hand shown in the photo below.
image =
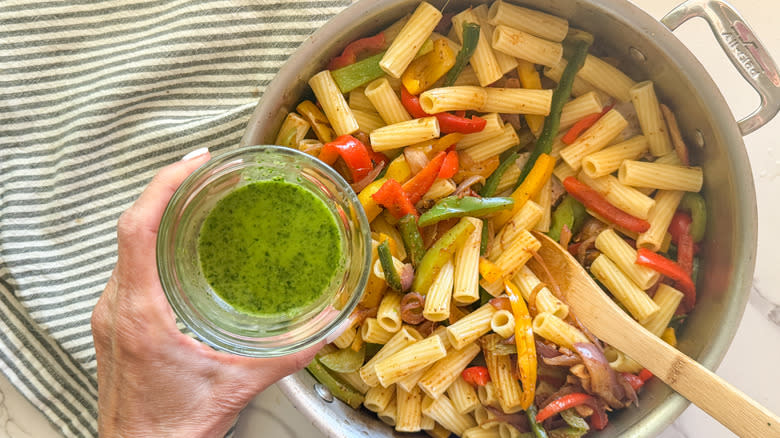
(152, 379)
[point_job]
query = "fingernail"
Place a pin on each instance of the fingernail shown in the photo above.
(194, 154)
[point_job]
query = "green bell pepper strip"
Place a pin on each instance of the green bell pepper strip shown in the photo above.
(561, 95)
(438, 254)
(345, 360)
(454, 206)
(695, 205)
(410, 233)
(362, 72)
(570, 213)
(386, 259)
(483, 243)
(575, 421)
(470, 40)
(489, 189)
(536, 428)
(340, 390)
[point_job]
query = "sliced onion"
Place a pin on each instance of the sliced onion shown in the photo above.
(360, 185)
(416, 159)
(467, 183)
(412, 305)
(603, 379)
(407, 276)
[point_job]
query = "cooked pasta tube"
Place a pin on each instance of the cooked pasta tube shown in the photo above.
(620, 362)
(563, 171)
(594, 139)
(495, 145)
(557, 146)
(634, 299)
(557, 331)
(333, 103)
(661, 176)
(503, 323)
(345, 338)
(427, 424)
(386, 102)
(507, 386)
(467, 77)
(517, 101)
(469, 328)
(439, 295)
(488, 395)
(367, 121)
(310, 146)
(389, 413)
(534, 22)
(546, 301)
(441, 99)
(624, 197)
(478, 432)
(517, 253)
(506, 63)
(410, 381)
(668, 299)
(409, 40)
(670, 158)
(607, 78)
(379, 397)
(578, 88)
(485, 418)
(438, 431)
(389, 314)
(648, 112)
(578, 108)
(409, 360)
(624, 256)
(371, 331)
(409, 410)
(293, 130)
(358, 100)
(544, 199)
(494, 126)
(441, 188)
(525, 219)
(464, 397)
(403, 338)
(666, 239)
(509, 178)
(609, 159)
(465, 288)
(443, 373)
(666, 202)
(483, 59)
(403, 134)
(523, 45)
(443, 412)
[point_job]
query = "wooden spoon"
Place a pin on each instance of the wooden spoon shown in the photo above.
(608, 322)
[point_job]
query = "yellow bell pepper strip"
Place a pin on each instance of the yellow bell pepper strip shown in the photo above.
(526, 348)
(443, 143)
(317, 120)
(399, 170)
(370, 206)
(375, 287)
(362, 72)
(342, 391)
(424, 71)
(552, 122)
(470, 40)
(529, 78)
(669, 337)
(489, 270)
(530, 187)
(469, 167)
(438, 254)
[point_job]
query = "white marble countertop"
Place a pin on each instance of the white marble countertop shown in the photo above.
(755, 352)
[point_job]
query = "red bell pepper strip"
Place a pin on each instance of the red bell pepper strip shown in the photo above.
(635, 381)
(594, 201)
(645, 375)
(450, 165)
(670, 269)
(581, 126)
(354, 153)
(598, 419)
(447, 122)
(477, 375)
(391, 196)
(373, 44)
(685, 252)
(416, 187)
(681, 223)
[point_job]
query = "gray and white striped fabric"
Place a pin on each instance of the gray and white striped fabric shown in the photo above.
(95, 97)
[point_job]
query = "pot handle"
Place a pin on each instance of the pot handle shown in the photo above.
(743, 49)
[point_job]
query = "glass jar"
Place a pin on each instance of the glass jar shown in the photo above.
(204, 312)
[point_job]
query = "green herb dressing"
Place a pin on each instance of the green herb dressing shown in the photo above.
(269, 247)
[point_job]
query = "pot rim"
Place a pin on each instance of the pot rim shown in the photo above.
(746, 218)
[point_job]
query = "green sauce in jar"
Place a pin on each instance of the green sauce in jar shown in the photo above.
(269, 247)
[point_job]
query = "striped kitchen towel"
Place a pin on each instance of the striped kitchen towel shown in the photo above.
(95, 97)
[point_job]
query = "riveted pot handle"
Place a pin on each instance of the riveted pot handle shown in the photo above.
(743, 49)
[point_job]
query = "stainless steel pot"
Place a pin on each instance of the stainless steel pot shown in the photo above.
(648, 50)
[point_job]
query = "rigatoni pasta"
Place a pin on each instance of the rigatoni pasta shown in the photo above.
(404, 134)
(386, 102)
(635, 300)
(650, 119)
(661, 176)
(410, 39)
(333, 103)
(525, 46)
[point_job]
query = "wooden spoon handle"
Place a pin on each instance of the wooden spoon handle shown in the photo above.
(731, 407)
